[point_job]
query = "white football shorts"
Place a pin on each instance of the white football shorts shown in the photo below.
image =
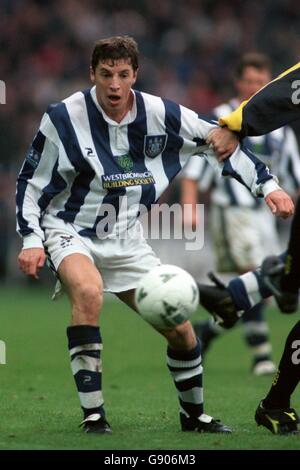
(121, 262)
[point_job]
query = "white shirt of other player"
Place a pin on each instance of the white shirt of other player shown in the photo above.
(278, 150)
(81, 163)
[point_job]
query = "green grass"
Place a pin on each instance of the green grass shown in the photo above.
(40, 408)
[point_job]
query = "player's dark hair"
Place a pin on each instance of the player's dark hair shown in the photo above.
(116, 48)
(253, 59)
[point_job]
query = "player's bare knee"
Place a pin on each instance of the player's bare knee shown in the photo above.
(181, 336)
(88, 300)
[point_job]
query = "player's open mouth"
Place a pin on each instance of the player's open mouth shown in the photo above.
(114, 98)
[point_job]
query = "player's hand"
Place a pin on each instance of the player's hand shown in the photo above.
(223, 142)
(280, 203)
(31, 260)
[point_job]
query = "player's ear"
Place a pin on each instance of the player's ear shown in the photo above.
(135, 73)
(92, 74)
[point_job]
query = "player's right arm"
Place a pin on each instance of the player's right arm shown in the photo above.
(36, 186)
(31, 260)
(272, 107)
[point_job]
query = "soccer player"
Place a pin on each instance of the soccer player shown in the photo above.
(98, 157)
(243, 229)
(277, 104)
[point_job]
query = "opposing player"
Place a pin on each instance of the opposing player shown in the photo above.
(97, 158)
(275, 105)
(243, 229)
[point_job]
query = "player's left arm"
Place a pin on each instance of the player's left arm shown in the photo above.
(242, 165)
(246, 168)
(280, 203)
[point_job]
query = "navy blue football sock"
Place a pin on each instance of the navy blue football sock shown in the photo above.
(85, 345)
(186, 370)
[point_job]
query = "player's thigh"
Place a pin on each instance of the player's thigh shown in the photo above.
(82, 282)
(123, 262)
(269, 238)
(239, 242)
(128, 298)
(69, 255)
(221, 243)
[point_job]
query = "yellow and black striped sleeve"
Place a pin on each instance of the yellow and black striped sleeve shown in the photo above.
(273, 106)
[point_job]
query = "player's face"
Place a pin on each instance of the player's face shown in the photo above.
(251, 81)
(113, 80)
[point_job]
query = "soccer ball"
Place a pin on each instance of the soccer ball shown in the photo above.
(166, 296)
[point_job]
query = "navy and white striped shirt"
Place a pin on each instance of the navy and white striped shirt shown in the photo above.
(278, 150)
(81, 160)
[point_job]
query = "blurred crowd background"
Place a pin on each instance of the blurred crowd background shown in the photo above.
(188, 52)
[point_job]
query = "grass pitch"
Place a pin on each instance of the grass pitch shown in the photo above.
(39, 404)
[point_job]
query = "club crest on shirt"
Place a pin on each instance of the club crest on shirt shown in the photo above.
(154, 144)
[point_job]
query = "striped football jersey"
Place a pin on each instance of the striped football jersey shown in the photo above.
(81, 162)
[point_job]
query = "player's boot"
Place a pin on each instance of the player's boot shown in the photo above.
(218, 301)
(204, 423)
(263, 367)
(96, 424)
(272, 270)
(278, 421)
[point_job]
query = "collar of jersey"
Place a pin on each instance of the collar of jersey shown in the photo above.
(127, 119)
